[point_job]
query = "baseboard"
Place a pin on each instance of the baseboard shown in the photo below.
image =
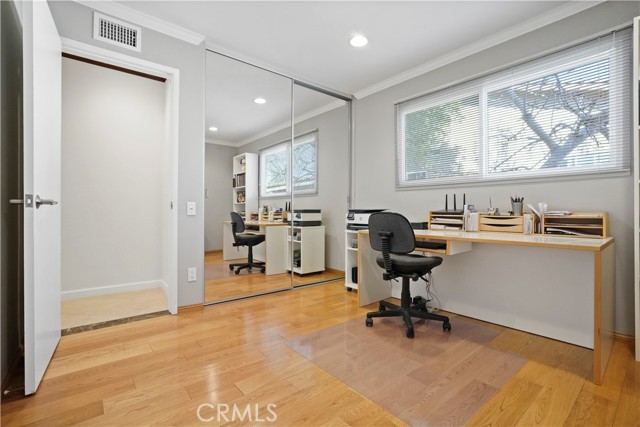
(165, 287)
(624, 338)
(214, 251)
(113, 289)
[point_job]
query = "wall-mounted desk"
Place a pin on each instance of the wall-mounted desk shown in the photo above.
(273, 251)
(558, 287)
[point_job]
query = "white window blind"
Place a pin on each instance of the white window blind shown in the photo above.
(564, 114)
(276, 174)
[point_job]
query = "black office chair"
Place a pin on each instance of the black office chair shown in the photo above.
(392, 234)
(245, 239)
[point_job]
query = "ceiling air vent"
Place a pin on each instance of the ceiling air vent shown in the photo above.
(116, 32)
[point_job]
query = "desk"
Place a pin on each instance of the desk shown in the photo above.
(558, 287)
(273, 251)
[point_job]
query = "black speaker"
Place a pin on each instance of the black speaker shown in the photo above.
(354, 274)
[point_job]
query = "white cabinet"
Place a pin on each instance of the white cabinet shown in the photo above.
(307, 246)
(636, 173)
(245, 184)
(351, 259)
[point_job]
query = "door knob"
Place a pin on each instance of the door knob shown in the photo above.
(40, 202)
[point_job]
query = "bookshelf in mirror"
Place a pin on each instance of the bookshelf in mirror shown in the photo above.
(245, 184)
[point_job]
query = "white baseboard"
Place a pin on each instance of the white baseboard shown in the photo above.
(165, 286)
(113, 289)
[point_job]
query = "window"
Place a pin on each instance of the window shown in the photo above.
(564, 114)
(275, 169)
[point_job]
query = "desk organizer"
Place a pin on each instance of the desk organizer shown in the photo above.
(578, 224)
(504, 224)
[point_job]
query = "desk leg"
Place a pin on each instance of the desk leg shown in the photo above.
(604, 316)
(371, 287)
(275, 246)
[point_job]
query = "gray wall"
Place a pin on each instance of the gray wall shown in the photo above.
(113, 143)
(10, 185)
(75, 21)
(375, 149)
(218, 172)
(333, 150)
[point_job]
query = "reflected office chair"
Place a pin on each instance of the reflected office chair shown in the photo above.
(392, 234)
(245, 239)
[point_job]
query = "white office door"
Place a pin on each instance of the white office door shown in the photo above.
(42, 134)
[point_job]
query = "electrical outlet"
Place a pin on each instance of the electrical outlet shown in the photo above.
(191, 274)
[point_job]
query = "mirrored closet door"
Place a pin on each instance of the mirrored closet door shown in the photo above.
(320, 184)
(248, 127)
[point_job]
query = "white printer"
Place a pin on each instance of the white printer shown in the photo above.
(358, 219)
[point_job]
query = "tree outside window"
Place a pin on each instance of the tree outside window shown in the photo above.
(556, 116)
(274, 172)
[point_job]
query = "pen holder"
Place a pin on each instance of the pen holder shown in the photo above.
(516, 208)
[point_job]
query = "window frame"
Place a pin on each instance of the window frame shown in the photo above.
(306, 138)
(483, 86)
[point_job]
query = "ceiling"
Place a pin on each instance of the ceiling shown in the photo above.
(308, 40)
(232, 86)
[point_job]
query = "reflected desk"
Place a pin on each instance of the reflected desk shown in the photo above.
(554, 286)
(273, 251)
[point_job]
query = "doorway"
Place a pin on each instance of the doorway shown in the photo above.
(116, 211)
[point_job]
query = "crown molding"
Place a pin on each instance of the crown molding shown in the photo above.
(554, 15)
(144, 20)
(220, 142)
(306, 116)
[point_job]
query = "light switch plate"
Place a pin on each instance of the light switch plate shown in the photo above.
(191, 208)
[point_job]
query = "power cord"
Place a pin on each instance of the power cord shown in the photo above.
(431, 296)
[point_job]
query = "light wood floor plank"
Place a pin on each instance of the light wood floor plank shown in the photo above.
(554, 403)
(158, 371)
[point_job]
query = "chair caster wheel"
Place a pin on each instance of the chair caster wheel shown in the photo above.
(231, 267)
(238, 271)
(381, 307)
(262, 270)
(446, 326)
(410, 332)
(369, 322)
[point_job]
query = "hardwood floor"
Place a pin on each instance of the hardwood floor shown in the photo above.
(222, 284)
(160, 371)
(91, 310)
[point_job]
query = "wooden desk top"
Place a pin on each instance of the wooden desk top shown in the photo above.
(260, 223)
(264, 223)
(540, 240)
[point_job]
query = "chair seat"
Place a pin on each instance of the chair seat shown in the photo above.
(249, 239)
(411, 263)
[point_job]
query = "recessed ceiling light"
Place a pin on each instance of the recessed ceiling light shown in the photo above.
(358, 41)
(213, 128)
(260, 101)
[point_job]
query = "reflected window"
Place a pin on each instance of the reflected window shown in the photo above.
(275, 168)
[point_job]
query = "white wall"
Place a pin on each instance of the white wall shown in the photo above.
(375, 149)
(333, 176)
(113, 142)
(74, 21)
(218, 173)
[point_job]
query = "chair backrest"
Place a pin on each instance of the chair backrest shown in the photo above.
(237, 223)
(402, 238)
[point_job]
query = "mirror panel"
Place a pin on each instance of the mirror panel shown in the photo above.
(244, 128)
(321, 185)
